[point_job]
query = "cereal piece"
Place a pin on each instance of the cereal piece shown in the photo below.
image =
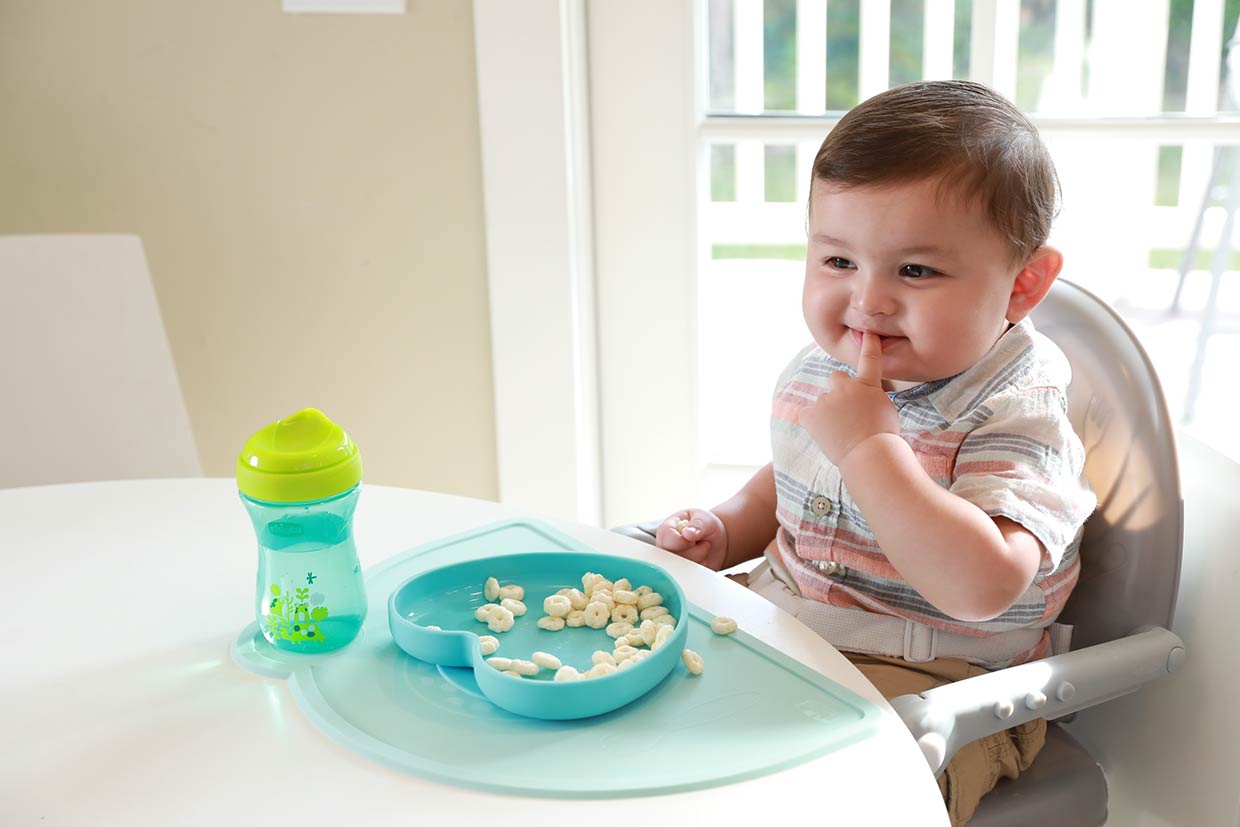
(642, 591)
(648, 630)
(567, 673)
(483, 613)
(625, 597)
(628, 663)
(619, 629)
(514, 592)
(489, 644)
(513, 672)
(623, 584)
(649, 599)
(513, 605)
(575, 619)
(500, 620)
(502, 664)
(525, 667)
(551, 624)
(664, 620)
(597, 615)
(623, 653)
(624, 614)
(436, 628)
(605, 597)
(577, 599)
(490, 589)
(557, 605)
(588, 580)
(664, 634)
(598, 670)
(603, 657)
(681, 525)
(693, 662)
(723, 625)
(546, 660)
(603, 585)
(653, 612)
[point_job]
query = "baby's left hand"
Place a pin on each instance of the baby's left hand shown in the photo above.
(854, 408)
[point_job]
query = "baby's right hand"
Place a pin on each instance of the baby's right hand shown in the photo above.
(695, 534)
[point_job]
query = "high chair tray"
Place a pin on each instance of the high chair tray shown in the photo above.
(753, 711)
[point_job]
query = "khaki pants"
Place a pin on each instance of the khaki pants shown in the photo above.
(979, 765)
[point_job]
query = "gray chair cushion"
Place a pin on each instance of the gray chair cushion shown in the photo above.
(1065, 787)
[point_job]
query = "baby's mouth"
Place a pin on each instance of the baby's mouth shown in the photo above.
(884, 340)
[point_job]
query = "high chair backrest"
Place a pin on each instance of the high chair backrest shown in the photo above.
(1130, 553)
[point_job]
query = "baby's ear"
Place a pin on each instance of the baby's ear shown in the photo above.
(1033, 282)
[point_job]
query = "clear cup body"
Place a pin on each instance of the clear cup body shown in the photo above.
(310, 596)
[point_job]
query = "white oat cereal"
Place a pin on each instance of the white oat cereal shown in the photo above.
(551, 624)
(515, 592)
(525, 667)
(597, 615)
(693, 662)
(513, 605)
(557, 605)
(598, 670)
(489, 644)
(546, 660)
(649, 599)
(502, 664)
(625, 597)
(723, 625)
(575, 619)
(500, 620)
(577, 598)
(624, 614)
(490, 589)
(600, 656)
(618, 629)
(567, 673)
(483, 613)
(654, 611)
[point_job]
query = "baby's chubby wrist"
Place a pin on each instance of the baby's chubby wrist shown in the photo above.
(874, 449)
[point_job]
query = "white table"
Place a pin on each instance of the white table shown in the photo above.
(120, 704)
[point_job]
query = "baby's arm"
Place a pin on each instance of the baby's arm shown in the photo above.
(730, 533)
(969, 565)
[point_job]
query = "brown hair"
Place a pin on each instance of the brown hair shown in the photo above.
(974, 139)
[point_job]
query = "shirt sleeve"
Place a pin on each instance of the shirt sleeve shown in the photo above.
(1025, 462)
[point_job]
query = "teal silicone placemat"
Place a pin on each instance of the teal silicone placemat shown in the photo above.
(753, 712)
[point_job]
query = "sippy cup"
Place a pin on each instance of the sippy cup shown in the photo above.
(299, 478)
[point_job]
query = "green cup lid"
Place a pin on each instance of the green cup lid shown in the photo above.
(300, 458)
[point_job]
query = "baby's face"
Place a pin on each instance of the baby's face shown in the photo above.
(928, 274)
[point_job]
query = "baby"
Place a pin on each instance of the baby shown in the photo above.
(926, 496)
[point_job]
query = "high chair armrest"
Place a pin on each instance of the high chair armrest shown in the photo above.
(639, 531)
(946, 718)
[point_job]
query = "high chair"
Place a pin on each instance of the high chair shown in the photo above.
(1123, 604)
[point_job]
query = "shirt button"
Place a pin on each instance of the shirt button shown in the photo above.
(831, 567)
(820, 506)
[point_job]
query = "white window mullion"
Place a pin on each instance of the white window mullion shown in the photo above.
(1205, 46)
(994, 43)
(938, 39)
(811, 57)
(874, 49)
(1062, 92)
(749, 81)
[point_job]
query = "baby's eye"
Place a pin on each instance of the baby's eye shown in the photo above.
(837, 263)
(917, 271)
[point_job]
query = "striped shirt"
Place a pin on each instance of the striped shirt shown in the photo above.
(996, 435)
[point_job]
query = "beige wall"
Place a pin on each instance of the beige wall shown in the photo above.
(308, 192)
